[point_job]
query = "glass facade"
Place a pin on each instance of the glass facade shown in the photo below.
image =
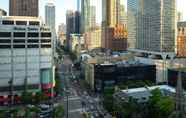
(151, 25)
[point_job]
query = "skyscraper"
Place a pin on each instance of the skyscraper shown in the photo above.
(24, 8)
(70, 26)
(50, 18)
(114, 35)
(151, 25)
(92, 17)
(109, 12)
(50, 15)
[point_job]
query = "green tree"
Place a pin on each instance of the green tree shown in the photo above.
(26, 97)
(58, 112)
(160, 106)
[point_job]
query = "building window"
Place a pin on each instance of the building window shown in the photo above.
(5, 46)
(5, 34)
(19, 41)
(33, 46)
(47, 34)
(45, 40)
(19, 46)
(21, 23)
(7, 22)
(33, 34)
(5, 41)
(36, 23)
(19, 34)
(46, 46)
(33, 41)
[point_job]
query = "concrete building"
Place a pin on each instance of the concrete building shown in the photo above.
(85, 15)
(152, 25)
(50, 21)
(114, 38)
(3, 12)
(123, 16)
(76, 43)
(92, 18)
(26, 61)
(70, 26)
(50, 17)
(114, 34)
(181, 39)
(93, 39)
(141, 95)
(103, 73)
(62, 34)
(24, 8)
(179, 16)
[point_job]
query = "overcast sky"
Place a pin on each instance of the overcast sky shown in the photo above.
(63, 5)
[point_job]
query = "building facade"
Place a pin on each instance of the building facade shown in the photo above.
(114, 38)
(26, 61)
(103, 75)
(181, 39)
(93, 39)
(85, 14)
(24, 8)
(70, 26)
(152, 25)
(114, 34)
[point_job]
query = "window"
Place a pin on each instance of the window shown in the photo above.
(19, 41)
(5, 41)
(47, 34)
(7, 22)
(5, 34)
(33, 34)
(19, 46)
(46, 46)
(33, 41)
(19, 34)
(34, 23)
(21, 23)
(5, 46)
(33, 46)
(45, 40)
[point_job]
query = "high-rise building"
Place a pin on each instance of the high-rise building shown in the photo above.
(179, 16)
(70, 26)
(77, 19)
(50, 18)
(152, 25)
(92, 17)
(3, 12)
(109, 12)
(50, 15)
(181, 39)
(85, 12)
(122, 16)
(93, 39)
(24, 8)
(114, 34)
(26, 57)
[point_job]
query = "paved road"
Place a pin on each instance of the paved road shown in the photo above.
(78, 94)
(74, 100)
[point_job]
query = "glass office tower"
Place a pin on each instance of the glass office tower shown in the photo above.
(151, 25)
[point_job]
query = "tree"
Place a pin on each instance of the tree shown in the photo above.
(26, 97)
(58, 112)
(160, 106)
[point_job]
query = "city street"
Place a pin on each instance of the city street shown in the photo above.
(79, 100)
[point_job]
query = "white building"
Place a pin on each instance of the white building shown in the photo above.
(50, 18)
(142, 95)
(25, 56)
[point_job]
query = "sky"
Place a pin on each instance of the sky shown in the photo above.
(63, 5)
